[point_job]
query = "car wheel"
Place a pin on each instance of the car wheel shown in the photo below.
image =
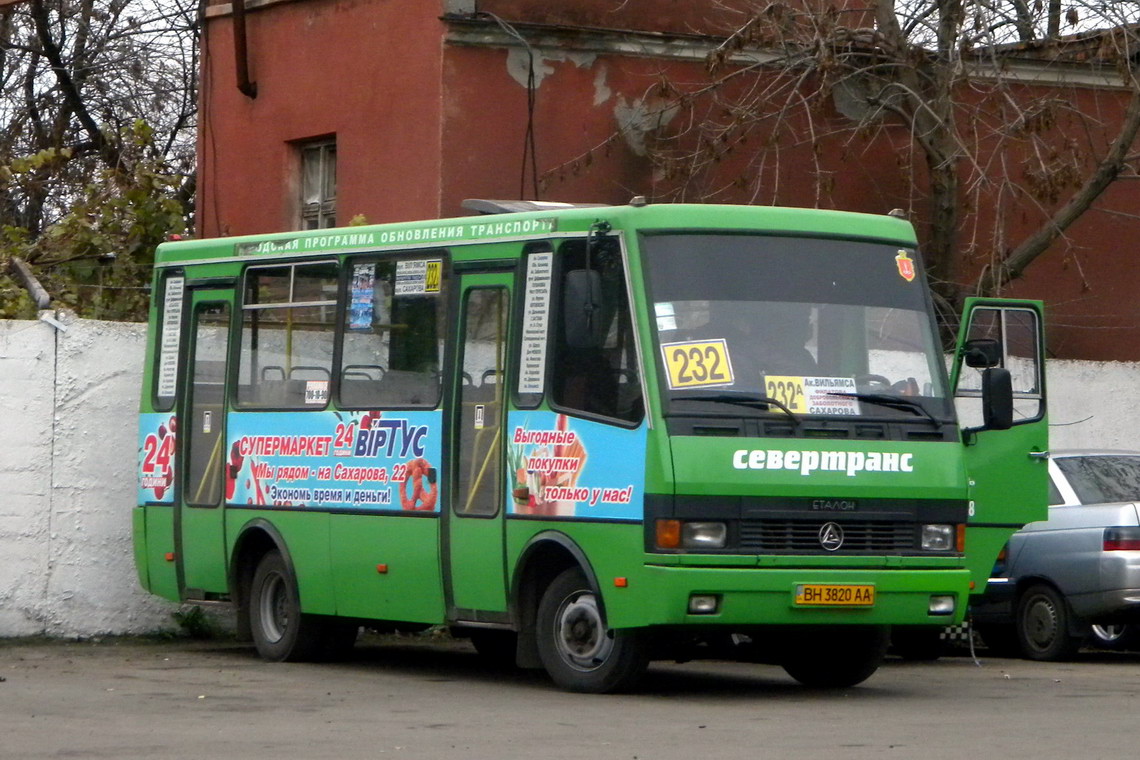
(834, 657)
(1043, 625)
(1115, 636)
(579, 651)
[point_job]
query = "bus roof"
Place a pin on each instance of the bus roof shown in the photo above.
(548, 221)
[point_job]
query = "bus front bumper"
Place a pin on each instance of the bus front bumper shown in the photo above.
(673, 595)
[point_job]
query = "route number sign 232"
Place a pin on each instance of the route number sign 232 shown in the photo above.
(697, 363)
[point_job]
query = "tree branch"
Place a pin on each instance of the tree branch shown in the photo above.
(1107, 171)
(110, 153)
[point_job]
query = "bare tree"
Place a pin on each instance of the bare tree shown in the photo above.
(97, 137)
(938, 82)
(74, 74)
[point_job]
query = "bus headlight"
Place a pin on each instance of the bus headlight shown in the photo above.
(704, 535)
(938, 538)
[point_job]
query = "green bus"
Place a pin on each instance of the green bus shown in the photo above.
(585, 437)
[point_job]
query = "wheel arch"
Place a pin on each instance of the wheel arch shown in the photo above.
(542, 559)
(255, 539)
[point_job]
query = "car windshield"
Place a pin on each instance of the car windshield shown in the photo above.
(822, 326)
(1102, 479)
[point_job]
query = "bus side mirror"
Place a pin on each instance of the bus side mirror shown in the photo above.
(582, 308)
(980, 353)
(997, 398)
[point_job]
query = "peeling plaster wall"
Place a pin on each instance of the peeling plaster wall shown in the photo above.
(68, 443)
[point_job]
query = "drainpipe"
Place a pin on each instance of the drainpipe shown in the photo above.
(241, 56)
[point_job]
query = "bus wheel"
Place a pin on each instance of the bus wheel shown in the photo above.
(576, 647)
(280, 632)
(834, 657)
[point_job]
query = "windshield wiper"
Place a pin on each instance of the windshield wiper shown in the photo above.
(751, 400)
(894, 402)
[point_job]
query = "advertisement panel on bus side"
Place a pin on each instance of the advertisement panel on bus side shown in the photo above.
(367, 461)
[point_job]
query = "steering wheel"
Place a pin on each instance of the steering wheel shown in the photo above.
(873, 380)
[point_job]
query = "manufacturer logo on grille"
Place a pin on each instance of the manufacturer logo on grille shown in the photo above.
(831, 536)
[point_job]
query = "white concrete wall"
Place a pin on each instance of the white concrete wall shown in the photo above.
(68, 443)
(68, 446)
(27, 401)
(1094, 405)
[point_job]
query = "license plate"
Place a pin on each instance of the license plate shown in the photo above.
(834, 594)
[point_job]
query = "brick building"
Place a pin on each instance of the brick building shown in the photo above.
(316, 112)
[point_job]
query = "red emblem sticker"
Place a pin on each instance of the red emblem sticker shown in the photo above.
(906, 266)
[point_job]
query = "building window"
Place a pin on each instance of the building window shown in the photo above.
(318, 185)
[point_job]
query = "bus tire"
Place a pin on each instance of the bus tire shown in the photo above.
(579, 651)
(281, 632)
(835, 657)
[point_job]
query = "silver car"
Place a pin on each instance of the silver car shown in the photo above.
(1074, 578)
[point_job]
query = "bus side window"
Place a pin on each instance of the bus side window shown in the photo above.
(598, 376)
(392, 344)
(288, 323)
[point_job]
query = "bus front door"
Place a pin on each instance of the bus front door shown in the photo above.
(1007, 468)
(474, 569)
(199, 518)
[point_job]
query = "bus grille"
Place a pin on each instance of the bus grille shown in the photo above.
(802, 536)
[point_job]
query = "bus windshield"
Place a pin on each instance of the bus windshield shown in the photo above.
(803, 325)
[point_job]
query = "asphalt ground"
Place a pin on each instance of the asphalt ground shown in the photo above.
(433, 697)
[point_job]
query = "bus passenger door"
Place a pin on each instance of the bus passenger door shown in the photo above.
(474, 569)
(199, 536)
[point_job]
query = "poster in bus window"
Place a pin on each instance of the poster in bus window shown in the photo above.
(569, 467)
(418, 277)
(361, 294)
(359, 461)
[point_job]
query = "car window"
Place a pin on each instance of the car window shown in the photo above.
(1055, 497)
(1102, 479)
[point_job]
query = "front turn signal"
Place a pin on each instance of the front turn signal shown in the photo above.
(668, 534)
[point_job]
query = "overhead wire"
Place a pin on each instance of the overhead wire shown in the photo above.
(530, 152)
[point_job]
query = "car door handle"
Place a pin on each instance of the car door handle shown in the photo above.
(1039, 455)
